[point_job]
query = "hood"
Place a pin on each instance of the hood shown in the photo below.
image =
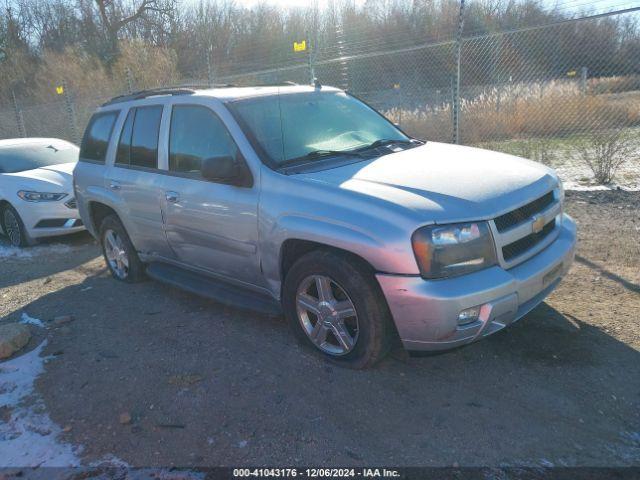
(60, 176)
(443, 182)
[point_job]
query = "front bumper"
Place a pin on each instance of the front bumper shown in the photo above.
(47, 219)
(426, 312)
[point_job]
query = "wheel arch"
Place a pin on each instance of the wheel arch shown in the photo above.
(97, 213)
(294, 248)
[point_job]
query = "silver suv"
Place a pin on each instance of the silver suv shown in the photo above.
(306, 201)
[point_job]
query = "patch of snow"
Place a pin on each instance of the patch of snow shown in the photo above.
(29, 438)
(31, 321)
(9, 251)
(110, 461)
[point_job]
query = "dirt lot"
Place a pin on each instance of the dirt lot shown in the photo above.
(209, 385)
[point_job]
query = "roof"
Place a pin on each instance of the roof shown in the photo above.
(236, 93)
(12, 142)
(223, 92)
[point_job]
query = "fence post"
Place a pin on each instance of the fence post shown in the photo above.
(129, 79)
(583, 80)
(71, 114)
(210, 78)
(22, 131)
(312, 70)
(456, 90)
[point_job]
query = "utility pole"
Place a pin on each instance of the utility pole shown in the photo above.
(456, 89)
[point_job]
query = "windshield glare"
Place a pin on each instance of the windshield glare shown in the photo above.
(20, 158)
(290, 126)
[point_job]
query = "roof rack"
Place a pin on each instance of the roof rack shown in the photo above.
(177, 90)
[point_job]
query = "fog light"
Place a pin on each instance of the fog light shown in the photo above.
(469, 315)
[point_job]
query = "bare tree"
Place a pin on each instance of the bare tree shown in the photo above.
(116, 15)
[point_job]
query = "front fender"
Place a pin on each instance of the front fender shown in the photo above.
(384, 255)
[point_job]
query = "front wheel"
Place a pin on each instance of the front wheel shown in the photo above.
(334, 305)
(13, 227)
(119, 253)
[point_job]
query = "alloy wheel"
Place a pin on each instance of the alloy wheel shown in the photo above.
(327, 315)
(116, 254)
(12, 228)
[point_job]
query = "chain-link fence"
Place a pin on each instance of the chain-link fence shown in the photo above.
(570, 90)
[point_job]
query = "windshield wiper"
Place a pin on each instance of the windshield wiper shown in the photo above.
(387, 141)
(320, 154)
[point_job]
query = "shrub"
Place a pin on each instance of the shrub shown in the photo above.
(606, 152)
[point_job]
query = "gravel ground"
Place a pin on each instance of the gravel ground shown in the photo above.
(204, 384)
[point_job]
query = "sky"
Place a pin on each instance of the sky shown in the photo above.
(565, 5)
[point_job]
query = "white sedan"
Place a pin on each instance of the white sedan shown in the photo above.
(36, 189)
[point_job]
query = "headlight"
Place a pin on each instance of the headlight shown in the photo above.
(40, 196)
(451, 250)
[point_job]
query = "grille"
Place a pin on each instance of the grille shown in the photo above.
(525, 243)
(515, 217)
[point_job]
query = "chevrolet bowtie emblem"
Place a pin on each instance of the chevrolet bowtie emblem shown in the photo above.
(538, 224)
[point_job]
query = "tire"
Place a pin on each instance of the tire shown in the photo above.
(13, 227)
(350, 282)
(118, 251)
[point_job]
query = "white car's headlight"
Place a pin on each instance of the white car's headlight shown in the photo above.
(40, 196)
(450, 250)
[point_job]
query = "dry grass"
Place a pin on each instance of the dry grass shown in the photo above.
(549, 109)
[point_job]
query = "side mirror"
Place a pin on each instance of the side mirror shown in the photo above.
(223, 168)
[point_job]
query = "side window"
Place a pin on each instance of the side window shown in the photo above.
(96, 136)
(124, 145)
(196, 134)
(144, 137)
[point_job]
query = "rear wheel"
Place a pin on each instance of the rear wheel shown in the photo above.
(119, 253)
(334, 304)
(13, 227)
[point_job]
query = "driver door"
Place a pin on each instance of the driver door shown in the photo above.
(209, 225)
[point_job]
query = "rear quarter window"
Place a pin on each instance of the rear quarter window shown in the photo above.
(97, 135)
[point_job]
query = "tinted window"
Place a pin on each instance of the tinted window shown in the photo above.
(144, 140)
(124, 145)
(96, 136)
(19, 158)
(196, 134)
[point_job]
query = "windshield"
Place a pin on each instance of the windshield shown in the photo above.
(290, 127)
(19, 158)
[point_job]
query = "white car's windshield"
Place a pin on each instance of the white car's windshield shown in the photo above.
(20, 158)
(303, 126)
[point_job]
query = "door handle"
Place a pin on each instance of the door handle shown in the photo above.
(113, 185)
(172, 197)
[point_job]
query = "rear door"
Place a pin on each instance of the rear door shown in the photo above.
(137, 181)
(209, 225)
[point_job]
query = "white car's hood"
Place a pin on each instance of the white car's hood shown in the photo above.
(445, 183)
(58, 178)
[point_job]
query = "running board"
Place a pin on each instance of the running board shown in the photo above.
(216, 290)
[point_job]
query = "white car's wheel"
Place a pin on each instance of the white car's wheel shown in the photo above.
(13, 227)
